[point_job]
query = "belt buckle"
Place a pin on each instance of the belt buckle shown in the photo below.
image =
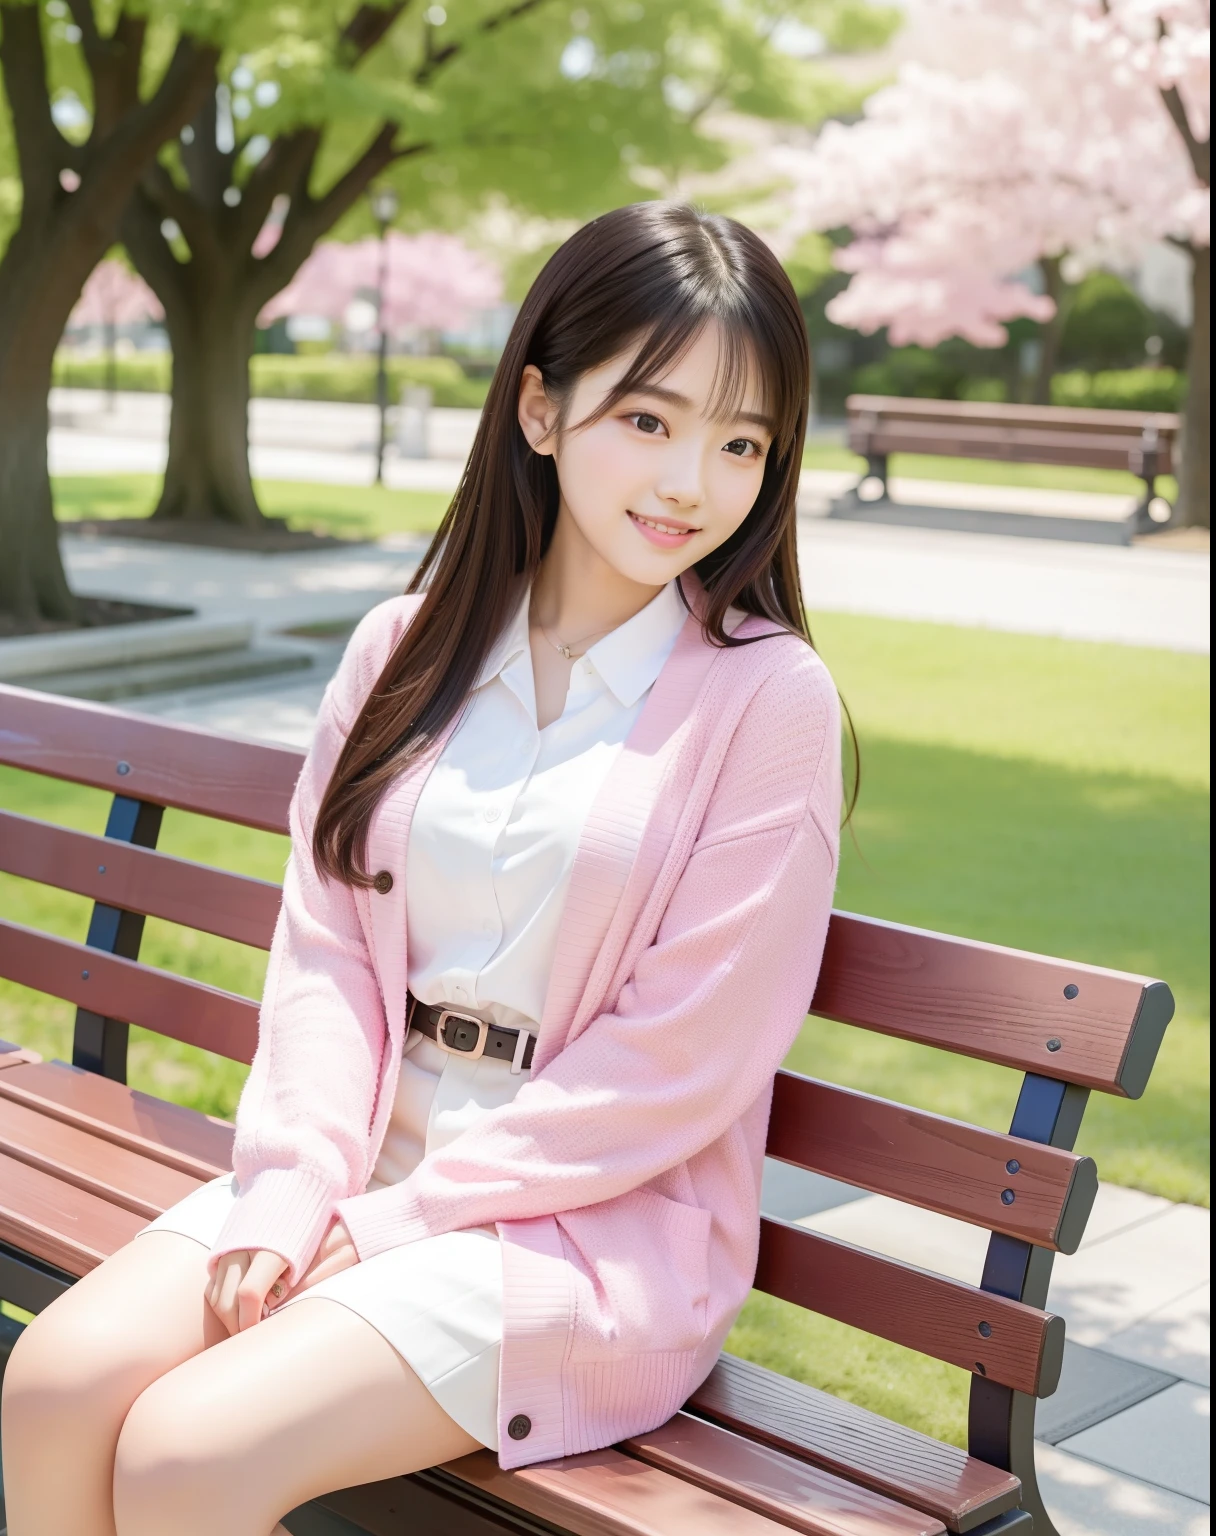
(473, 1053)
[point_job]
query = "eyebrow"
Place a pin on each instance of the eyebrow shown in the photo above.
(673, 397)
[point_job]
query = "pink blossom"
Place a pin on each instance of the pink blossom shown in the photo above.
(954, 187)
(114, 295)
(434, 281)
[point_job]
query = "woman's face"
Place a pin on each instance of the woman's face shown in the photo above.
(659, 481)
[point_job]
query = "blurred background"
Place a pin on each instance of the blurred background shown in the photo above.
(257, 265)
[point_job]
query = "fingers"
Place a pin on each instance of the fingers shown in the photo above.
(264, 1269)
(222, 1292)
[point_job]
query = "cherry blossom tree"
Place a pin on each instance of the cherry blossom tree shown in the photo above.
(432, 282)
(113, 295)
(1086, 142)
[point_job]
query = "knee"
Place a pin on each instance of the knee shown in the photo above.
(174, 1461)
(65, 1367)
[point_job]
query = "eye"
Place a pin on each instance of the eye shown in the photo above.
(744, 448)
(647, 423)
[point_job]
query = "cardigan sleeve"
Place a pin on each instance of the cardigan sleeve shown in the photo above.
(696, 1034)
(301, 1124)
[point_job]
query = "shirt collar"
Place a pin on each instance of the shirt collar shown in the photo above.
(632, 656)
(628, 660)
(510, 644)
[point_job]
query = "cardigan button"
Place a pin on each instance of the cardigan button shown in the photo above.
(520, 1427)
(383, 882)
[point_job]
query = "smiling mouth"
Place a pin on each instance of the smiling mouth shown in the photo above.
(673, 529)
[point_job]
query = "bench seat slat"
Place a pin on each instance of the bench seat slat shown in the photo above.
(184, 1139)
(58, 1223)
(171, 764)
(855, 1443)
(140, 880)
(803, 1497)
(1002, 1005)
(185, 1010)
(605, 1493)
(1023, 1347)
(928, 1160)
(112, 1172)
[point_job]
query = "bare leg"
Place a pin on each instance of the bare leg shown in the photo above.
(305, 1402)
(77, 1369)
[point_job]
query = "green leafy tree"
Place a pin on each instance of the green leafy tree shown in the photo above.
(556, 108)
(559, 109)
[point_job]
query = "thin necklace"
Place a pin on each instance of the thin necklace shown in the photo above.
(566, 648)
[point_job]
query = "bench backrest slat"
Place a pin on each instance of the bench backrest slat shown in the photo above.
(1023, 1348)
(125, 989)
(1052, 1017)
(169, 764)
(1040, 1194)
(998, 413)
(140, 880)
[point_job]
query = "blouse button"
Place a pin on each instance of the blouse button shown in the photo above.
(492, 813)
(520, 1427)
(383, 882)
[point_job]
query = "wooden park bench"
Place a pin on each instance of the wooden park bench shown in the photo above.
(85, 1162)
(1140, 441)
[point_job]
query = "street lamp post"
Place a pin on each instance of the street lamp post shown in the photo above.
(384, 211)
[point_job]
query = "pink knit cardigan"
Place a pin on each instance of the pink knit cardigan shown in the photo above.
(624, 1177)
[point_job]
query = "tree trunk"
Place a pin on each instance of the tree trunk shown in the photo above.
(69, 217)
(1195, 477)
(33, 586)
(207, 475)
(1050, 334)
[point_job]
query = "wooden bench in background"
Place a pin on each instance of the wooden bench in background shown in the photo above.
(1144, 443)
(85, 1162)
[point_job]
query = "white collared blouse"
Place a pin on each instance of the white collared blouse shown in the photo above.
(498, 821)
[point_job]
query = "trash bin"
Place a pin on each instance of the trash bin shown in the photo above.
(413, 421)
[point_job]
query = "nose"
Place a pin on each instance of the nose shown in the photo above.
(681, 484)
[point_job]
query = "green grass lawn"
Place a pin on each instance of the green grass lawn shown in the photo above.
(347, 511)
(1041, 793)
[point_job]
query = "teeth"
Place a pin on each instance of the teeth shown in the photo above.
(660, 527)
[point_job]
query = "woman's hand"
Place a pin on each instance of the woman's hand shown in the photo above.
(243, 1281)
(335, 1254)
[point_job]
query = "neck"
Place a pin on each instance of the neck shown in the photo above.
(576, 591)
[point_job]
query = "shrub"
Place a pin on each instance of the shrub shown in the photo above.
(146, 372)
(280, 376)
(1127, 389)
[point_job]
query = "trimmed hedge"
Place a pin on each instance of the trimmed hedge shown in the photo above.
(279, 376)
(1124, 389)
(919, 373)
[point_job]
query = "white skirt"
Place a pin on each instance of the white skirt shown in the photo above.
(438, 1302)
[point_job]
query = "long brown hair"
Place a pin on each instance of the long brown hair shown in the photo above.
(648, 277)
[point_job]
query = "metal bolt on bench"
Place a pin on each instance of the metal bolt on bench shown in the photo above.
(85, 1162)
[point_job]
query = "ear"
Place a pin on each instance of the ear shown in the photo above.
(537, 413)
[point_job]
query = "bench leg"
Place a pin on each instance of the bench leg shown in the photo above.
(1153, 512)
(874, 480)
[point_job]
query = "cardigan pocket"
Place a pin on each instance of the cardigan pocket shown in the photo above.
(641, 1265)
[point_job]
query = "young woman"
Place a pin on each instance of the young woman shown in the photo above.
(562, 862)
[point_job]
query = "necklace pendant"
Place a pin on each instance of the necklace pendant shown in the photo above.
(566, 652)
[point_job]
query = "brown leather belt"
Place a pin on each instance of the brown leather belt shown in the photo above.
(463, 1035)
